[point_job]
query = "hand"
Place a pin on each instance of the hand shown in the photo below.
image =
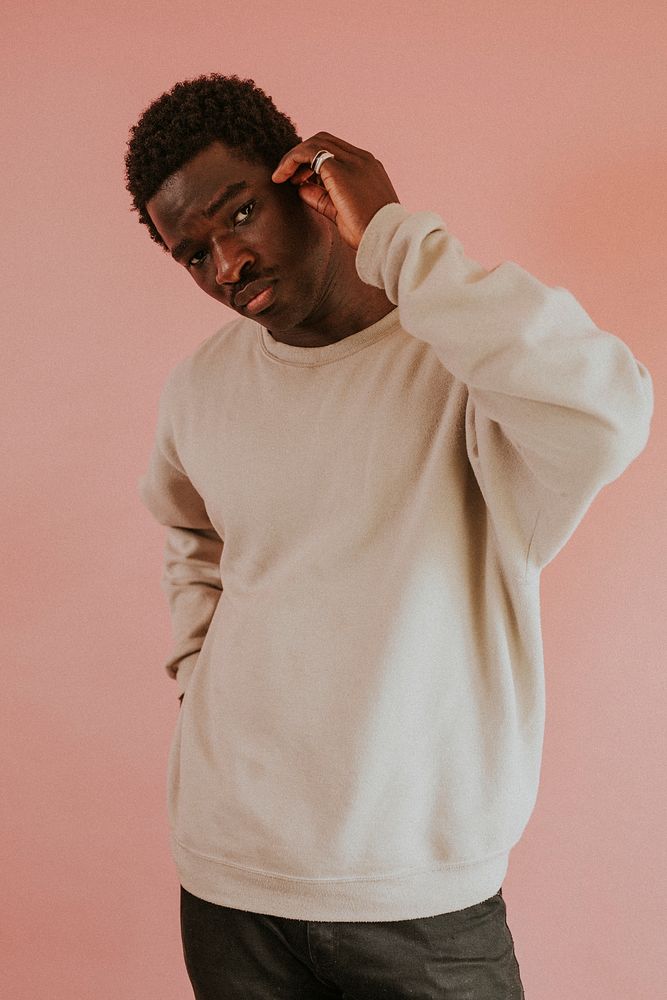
(351, 187)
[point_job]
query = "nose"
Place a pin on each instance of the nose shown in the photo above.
(230, 260)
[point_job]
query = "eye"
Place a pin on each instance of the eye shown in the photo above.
(197, 259)
(249, 207)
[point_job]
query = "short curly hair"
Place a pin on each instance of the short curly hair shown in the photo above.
(188, 118)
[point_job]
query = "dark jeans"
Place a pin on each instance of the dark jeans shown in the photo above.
(233, 954)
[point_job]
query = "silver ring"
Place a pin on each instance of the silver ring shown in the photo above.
(318, 160)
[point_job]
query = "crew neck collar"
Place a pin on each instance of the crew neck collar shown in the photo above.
(309, 356)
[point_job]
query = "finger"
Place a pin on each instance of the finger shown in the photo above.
(318, 199)
(303, 154)
(303, 173)
(295, 164)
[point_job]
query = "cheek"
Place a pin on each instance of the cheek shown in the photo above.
(205, 279)
(293, 219)
(199, 277)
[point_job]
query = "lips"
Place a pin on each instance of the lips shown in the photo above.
(249, 292)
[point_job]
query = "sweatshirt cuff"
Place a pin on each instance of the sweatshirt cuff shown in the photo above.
(372, 250)
(184, 672)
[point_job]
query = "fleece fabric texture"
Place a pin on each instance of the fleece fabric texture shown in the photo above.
(355, 535)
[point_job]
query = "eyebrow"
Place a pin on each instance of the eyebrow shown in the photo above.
(209, 211)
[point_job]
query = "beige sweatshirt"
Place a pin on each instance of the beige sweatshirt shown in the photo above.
(354, 546)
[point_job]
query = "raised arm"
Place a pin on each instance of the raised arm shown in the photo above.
(557, 407)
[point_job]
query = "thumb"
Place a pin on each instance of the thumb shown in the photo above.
(317, 198)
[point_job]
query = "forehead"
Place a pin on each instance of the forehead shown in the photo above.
(190, 189)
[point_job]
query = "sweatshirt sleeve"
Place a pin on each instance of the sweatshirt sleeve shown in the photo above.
(191, 575)
(556, 407)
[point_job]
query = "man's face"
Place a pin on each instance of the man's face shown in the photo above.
(229, 224)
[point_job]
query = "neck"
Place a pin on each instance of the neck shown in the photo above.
(347, 305)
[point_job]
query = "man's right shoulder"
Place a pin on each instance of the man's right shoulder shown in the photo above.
(201, 365)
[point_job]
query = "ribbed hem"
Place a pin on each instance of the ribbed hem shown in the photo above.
(403, 896)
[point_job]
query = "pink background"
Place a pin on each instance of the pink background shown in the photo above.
(536, 130)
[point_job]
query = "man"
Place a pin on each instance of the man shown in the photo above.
(362, 477)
